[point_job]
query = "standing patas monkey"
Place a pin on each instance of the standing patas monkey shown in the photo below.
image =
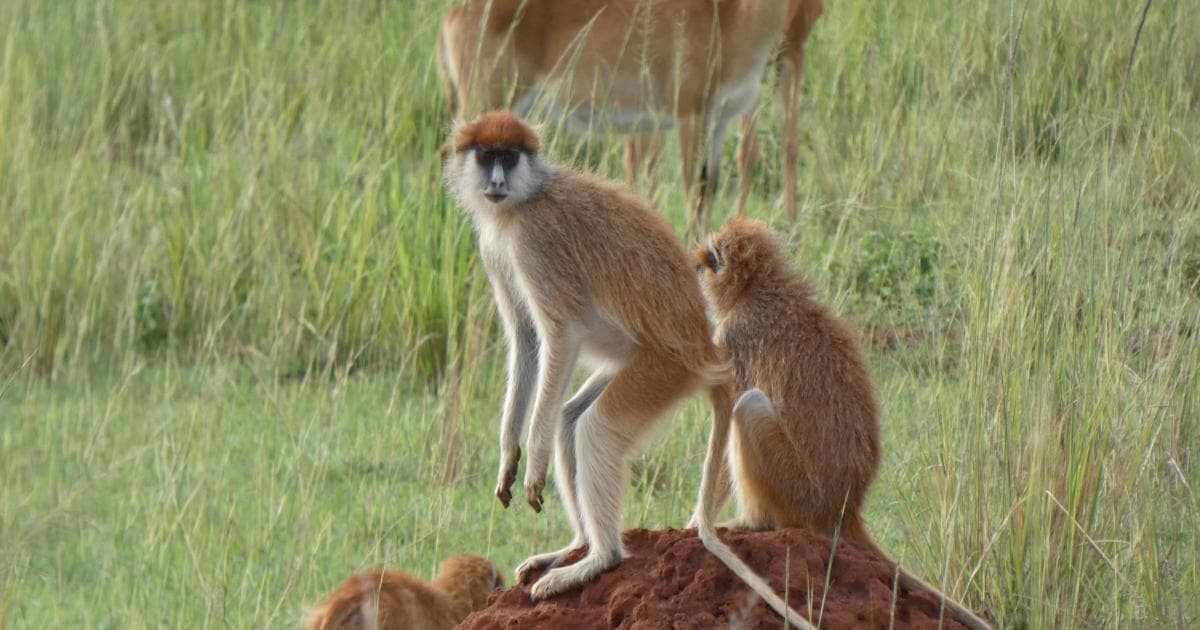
(391, 600)
(581, 268)
(804, 447)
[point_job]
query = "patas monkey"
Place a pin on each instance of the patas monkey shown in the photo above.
(580, 268)
(390, 600)
(804, 446)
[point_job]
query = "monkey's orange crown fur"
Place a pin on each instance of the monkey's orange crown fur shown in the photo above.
(747, 243)
(499, 128)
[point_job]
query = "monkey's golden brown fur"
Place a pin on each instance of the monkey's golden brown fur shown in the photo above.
(809, 364)
(391, 600)
(581, 268)
(804, 445)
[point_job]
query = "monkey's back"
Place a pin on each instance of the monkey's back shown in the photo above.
(404, 602)
(597, 245)
(810, 365)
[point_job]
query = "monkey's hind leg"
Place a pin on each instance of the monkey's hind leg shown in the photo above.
(608, 433)
(564, 472)
(753, 414)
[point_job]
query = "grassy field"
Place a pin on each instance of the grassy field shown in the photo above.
(246, 346)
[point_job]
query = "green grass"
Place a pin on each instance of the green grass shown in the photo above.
(246, 347)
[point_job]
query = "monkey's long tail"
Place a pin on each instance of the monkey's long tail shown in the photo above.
(857, 535)
(707, 508)
(714, 545)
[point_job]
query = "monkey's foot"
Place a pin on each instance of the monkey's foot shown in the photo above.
(563, 579)
(507, 476)
(543, 561)
(533, 492)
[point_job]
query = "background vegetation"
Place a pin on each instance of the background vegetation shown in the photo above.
(246, 347)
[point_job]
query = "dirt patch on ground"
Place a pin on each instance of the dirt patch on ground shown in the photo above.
(671, 581)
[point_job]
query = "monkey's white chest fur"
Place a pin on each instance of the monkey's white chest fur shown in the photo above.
(602, 341)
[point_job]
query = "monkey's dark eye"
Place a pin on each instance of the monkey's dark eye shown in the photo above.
(710, 258)
(507, 158)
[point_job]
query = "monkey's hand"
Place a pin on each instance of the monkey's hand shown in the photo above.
(508, 475)
(535, 482)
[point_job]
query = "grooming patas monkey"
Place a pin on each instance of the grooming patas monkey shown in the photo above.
(581, 268)
(390, 600)
(804, 446)
(629, 66)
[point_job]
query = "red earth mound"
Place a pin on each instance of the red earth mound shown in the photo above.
(670, 581)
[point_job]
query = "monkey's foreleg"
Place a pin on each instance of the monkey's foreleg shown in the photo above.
(522, 374)
(565, 473)
(559, 351)
(710, 501)
(714, 464)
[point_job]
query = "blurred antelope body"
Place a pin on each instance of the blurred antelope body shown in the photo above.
(631, 66)
(802, 14)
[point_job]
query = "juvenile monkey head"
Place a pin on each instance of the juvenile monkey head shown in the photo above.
(390, 600)
(472, 578)
(495, 162)
(743, 256)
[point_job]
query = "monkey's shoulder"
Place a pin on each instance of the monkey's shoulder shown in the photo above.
(571, 190)
(402, 598)
(786, 321)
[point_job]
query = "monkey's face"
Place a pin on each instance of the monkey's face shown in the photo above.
(475, 576)
(496, 175)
